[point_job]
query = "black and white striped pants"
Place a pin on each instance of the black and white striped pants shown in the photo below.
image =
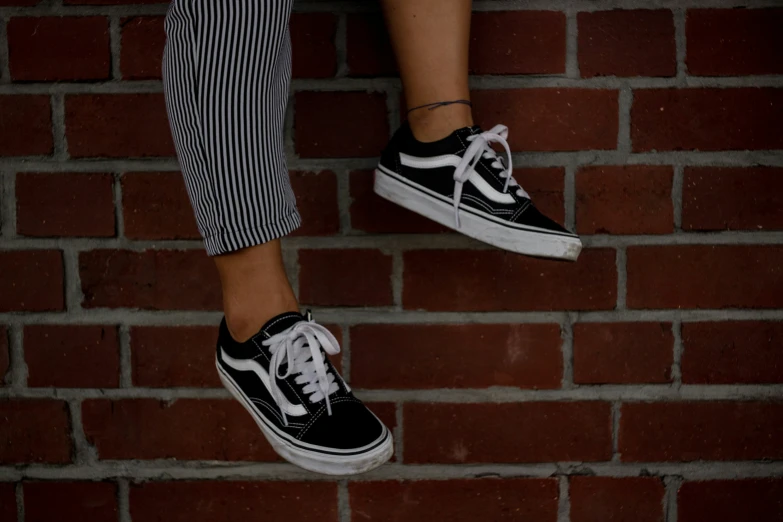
(226, 72)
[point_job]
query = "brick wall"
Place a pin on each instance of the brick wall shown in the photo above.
(643, 383)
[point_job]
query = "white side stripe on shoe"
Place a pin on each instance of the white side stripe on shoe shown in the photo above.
(452, 160)
(249, 365)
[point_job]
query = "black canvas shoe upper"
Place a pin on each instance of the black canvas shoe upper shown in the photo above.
(310, 404)
(464, 166)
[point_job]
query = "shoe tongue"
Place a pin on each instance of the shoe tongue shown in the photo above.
(281, 323)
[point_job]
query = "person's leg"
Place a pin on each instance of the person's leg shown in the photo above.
(430, 40)
(227, 66)
(438, 164)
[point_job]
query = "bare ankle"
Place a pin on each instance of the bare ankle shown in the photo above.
(433, 125)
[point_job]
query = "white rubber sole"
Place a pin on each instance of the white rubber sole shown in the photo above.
(484, 227)
(309, 460)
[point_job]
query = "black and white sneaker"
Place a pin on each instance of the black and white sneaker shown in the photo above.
(308, 414)
(462, 183)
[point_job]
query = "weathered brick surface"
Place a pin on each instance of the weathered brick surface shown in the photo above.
(687, 431)
(651, 129)
(95, 501)
(732, 198)
(210, 501)
(440, 356)
(623, 353)
(473, 280)
(628, 499)
(706, 119)
(58, 204)
(748, 500)
(627, 43)
(705, 277)
(31, 281)
(34, 430)
(67, 356)
(458, 500)
(734, 42)
(624, 200)
(185, 429)
(552, 119)
(732, 352)
(155, 205)
(470, 433)
(46, 49)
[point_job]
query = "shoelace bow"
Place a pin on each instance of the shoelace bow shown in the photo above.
(289, 346)
(480, 148)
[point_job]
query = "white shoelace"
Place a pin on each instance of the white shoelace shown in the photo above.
(480, 148)
(289, 346)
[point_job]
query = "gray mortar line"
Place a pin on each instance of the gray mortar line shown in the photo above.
(677, 189)
(572, 51)
(18, 370)
(621, 265)
(497, 394)
(680, 44)
(7, 205)
(383, 316)
(567, 348)
(672, 485)
(209, 470)
(564, 499)
(677, 353)
(126, 365)
(115, 41)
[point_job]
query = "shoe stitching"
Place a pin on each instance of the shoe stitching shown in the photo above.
(320, 412)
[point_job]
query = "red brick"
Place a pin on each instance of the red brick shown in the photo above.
(748, 500)
(627, 499)
(458, 500)
(5, 360)
(55, 48)
(143, 39)
(626, 43)
(185, 429)
(26, 127)
(71, 356)
(444, 356)
(221, 501)
(538, 432)
(93, 501)
(155, 205)
(52, 205)
(34, 430)
(732, 352)
(371, 213)
(553, 119)
(7, 494)
(734, 42)
(486, 280)
(174, 356)
(117, 125)
(618, 353)
(353, 277)
(312, 45)
(518, 42)
(325, 127)
(706, 119)
(316, 199)
(690, 431)
(369, 51)
(150, 279)
(705, 276)
(31, 281)
(630, 199)
(732, 198)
